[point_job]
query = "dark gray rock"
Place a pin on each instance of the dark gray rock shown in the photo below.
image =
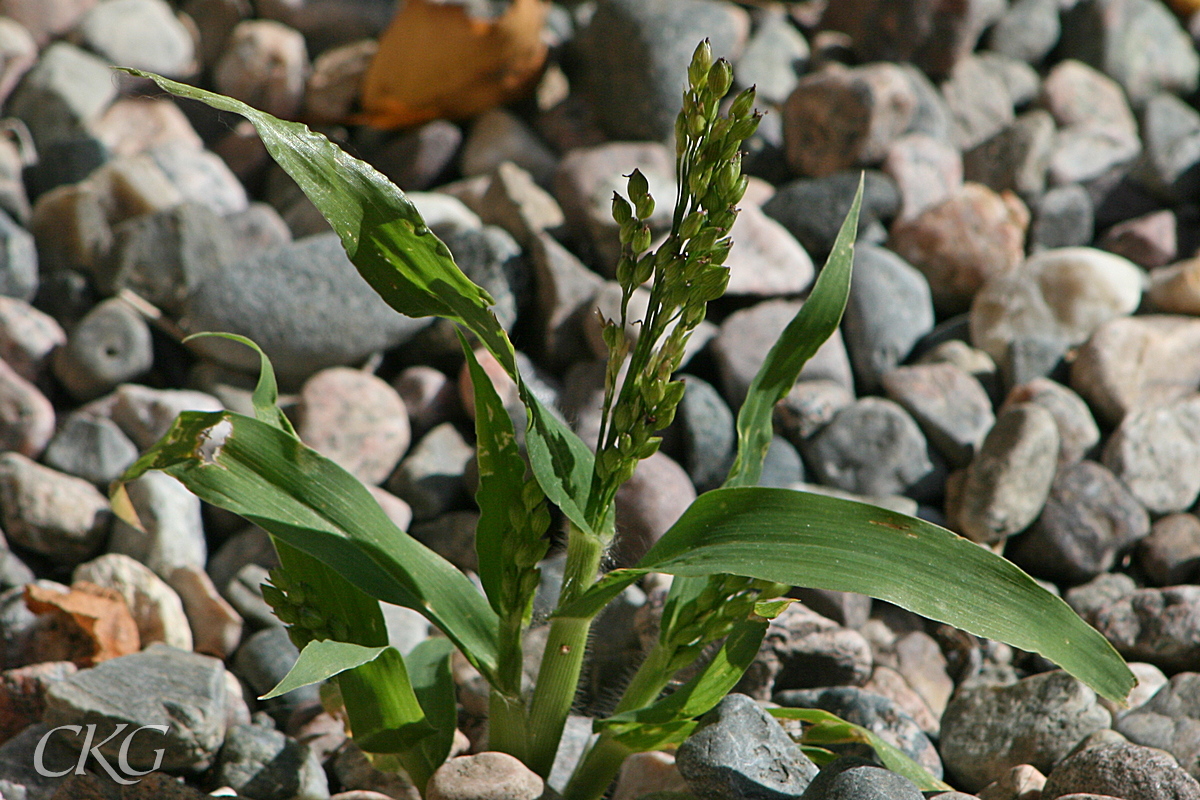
(1121, 770)
(1139, 43)
(92, 448)
(636, 53)
(1028, 30)
(950, 405)
(19, 777)
(1089, 520)
(492, 258)
(739, 752)
(263, 764)
(782, 467)
(1078, 433)
(1099, 593)
(1007, 483)
(415, 158)
(988, 730)
(303, 303)
(18, 260)
(874, 712)
(109, 346)
(1170, 555)
(813, 209)
(452, 536)
(1016, 158)
(803, 649)
(1170, 162)
(1161, 626)
(158, 686)
(1063, 217)
(163, 255)
(706, 433)
(853, 778)
(872, 447)
(430, 478)
(890, 308)
(809, 406)
(61, 94)
(1169, 720)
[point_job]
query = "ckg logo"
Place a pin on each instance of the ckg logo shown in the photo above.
(92, 751)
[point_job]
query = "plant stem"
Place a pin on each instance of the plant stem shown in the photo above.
(599, 765)
(562, 660)
(507, 726)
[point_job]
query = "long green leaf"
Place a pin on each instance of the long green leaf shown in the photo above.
(815, 322)
(828, 729)
(672, 718)
(297, 495)
(411, 269)
(433, 683)
(320, 661)
(501, 479)
(804, 539)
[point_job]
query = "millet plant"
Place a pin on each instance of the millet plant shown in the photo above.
(733, 553)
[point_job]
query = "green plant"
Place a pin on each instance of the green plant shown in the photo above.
(732, 553)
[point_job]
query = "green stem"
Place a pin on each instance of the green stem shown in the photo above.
(562, 660)
(507, 725)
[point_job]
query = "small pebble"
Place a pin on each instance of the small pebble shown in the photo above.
(484, 776)
(1120, 770)
(48, 512)
(156, 608)
(1170, 555)
(111, 345)
(172, 532)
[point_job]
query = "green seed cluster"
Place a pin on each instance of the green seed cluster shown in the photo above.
(687, 270)
(530, 520)
(724, 601)
(293, 603)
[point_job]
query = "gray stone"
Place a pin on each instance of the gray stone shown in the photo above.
(1089, 520)
(836, 119)
(809, 406)
(1007, 483)
(852, 778)
(158, 686)
(264, 65)
(706, 431)
(417, 157)
(18, 52)
(1136, 363)
(1139, 43)
(1028, 30)
(144, 34)
(303, 303)
(492, 258)
(520, 206)
(67, 89)
(26, 416)
(1097, 130)
(950, 405)
(327, 23)
(429, 397)
(979, 100)
(1170, 161)
(109, 346)
(164, 255)
(1099, 593)
(889, 309)
(932, 116)
(27, 338)
(452, 536)
(740, 752)
(803, 649)
(635, 57)
(200, 176)
(970, 360)
(926, 170)
(1160, 626)
(1063, 217)
(155, 607)
(19, 777)
(874, 712)
(988, 730)
(1121, 770)
(172, 532)
(145, 415)
(782, 467)
(813, 209)
(445, 214)
(18, 260)
(1078, 433)
(1170, 555)
(774, 57)
(263, 764)
(1169, 720)
(870, 447)
(498, 136)
(46, 511)
(430, 478)
(91, 448)
(1155, 452)
(765, 260)
(1016, 158)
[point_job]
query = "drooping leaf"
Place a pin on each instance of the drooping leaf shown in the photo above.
(827, 729)
(410, 268)
(672, 718)
(815, 322)
(266, 392)
(320, 661)
(304, 499)
(804, 539)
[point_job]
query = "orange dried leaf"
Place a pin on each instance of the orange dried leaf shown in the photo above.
(436, 61)
(95, 617)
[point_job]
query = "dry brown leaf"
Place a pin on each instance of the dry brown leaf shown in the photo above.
(436, 61)
(94, 623)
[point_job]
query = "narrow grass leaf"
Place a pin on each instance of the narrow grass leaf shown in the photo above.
(815, 322)
(804, 539)
(433, 683)
(298, 496)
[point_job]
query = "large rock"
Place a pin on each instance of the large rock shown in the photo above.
(303, 303)
(1120, 769)
(1156, 453)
